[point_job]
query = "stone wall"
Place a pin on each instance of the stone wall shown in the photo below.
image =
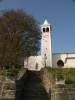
(20, 81)
(57, 91)
(11, 89)
(7, 88)
(63, 92)
(48, 81)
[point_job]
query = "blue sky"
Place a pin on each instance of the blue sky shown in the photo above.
(59, 13)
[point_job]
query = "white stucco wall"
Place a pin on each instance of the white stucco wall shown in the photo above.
(67, 58)
(63, 57)
(55, 58)
(71, 55)
(31, 62)
(70, 63)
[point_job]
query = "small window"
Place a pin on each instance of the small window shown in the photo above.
(47, 29)
(43, 29)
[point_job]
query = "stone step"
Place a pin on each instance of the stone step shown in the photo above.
(34, 91)
(34, 97)
(34, 88)
(35, 94)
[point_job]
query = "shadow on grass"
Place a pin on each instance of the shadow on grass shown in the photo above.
(69, 81)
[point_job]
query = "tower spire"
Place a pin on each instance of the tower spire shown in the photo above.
(45, 22)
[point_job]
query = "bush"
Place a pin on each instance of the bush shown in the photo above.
(11, 72)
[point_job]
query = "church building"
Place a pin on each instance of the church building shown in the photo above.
(47, 58)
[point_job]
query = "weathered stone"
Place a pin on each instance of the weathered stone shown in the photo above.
(0, 85)
(60, 96)
(12, 93)
(10, 80)
(0, 93)
(11, 89)
(9, 86)
(8, 93)
(2, 78)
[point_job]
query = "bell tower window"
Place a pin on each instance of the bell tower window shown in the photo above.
(43, 29)
(47, 29)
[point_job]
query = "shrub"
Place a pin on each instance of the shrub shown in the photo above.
(11, 72)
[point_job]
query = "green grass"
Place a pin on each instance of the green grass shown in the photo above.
(69, 72)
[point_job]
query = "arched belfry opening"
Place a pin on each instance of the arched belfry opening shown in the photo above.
(43, 29)
(47, 29)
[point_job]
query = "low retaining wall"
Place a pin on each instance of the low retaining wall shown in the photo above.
(48, 81)
(11, 89)
(20, 81)
(57, 91)
(63, 92)
(7, 88)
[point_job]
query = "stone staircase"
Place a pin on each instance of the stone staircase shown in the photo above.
(34, 88)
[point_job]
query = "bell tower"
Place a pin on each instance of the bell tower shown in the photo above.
(46, 44)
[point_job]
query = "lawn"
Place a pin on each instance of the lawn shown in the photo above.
(69, 72)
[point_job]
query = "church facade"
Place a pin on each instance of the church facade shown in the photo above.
(47, 58)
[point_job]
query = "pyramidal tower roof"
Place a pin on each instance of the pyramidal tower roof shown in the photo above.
(45, 22)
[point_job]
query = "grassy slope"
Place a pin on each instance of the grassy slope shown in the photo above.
(69, 72)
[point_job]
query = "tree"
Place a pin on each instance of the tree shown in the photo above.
(19, 36)
(60, 63)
